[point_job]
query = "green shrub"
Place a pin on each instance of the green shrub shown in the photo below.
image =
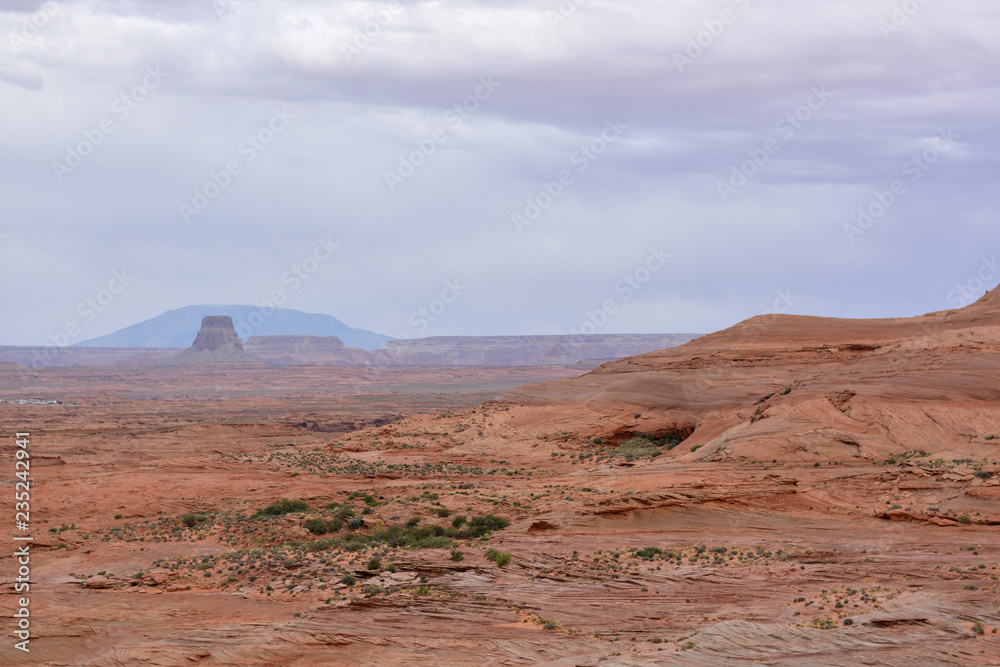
(411, 536)
(349, 579)
(648, 553)
(283, 506)
(501, 558)
(965, 519)
(431, 542)
(374, 563)
(369, 499)
(480, 526)
(318, 526)
(458, 521)
(457, 556)
(637, 447)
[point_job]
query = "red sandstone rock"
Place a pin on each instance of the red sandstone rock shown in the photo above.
(216, 342)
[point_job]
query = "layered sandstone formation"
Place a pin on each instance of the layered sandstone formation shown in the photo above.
(521, 350)
(804, 388)
(46, 356)
(835, 501)
(216, 342)
(302, 350)
(330, 351)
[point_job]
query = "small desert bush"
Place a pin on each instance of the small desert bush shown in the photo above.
(501, 558)
(283, 506)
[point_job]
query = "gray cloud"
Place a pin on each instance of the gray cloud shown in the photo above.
(357, 112)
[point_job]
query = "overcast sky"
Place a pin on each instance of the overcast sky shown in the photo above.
(715, 153)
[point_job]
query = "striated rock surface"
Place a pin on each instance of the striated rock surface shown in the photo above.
(834, 499)
(804, 388)
(331, 351)
(301, 350)
(216, 342)
(521, 350)
(48, 356)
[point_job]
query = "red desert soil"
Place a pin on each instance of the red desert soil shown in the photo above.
(790, 491)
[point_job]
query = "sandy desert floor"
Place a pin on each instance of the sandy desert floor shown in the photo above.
(775, 511)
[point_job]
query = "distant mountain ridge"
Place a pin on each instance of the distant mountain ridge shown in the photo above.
(178, 327)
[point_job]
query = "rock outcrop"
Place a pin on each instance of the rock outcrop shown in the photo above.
(783, 387)
(302, 350)
(331, 351)
(521, 350)
(48, 356)
(216, 342)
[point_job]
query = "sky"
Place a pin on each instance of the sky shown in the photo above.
(475, 168)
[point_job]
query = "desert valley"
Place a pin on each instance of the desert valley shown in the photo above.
(789, 491)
